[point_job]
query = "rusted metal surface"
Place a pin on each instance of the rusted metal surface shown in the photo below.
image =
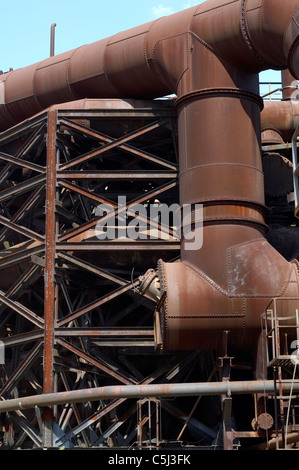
(271, 137)
(289, 85)
(224, 285)
(213, 172)
(196, 95)
(278, 174)
(280, 117)
(278, 122)
(50, 293)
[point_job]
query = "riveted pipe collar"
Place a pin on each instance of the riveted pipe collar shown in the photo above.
(218, 93)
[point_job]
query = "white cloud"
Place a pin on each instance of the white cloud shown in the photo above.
(161, 10)
(190, 4)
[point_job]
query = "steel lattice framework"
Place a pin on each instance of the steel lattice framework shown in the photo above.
(71, 312)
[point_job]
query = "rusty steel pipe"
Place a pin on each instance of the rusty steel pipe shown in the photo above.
(227, 283)
(209, 56)
(145, 391)
(278, 123)
(279, 117)
(279, 442)
(289, 85)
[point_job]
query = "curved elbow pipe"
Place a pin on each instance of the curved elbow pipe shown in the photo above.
(210, 56)
(229, 282)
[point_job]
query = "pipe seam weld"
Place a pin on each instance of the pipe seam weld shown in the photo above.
(208, 316)
(185, 34)
(215, 164)
(109, 42)
(223, 199)
(231, 218)
(219, 92)
(246, 34)
(67, 78)
(226, 292)
(294, 45)
(208, 10)
(248, 295)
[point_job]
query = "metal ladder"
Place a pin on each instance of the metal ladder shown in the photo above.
(283, 364)
(148, 426)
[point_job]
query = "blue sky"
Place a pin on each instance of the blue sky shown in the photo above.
(26, 24)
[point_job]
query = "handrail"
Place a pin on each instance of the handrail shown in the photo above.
(295, 170)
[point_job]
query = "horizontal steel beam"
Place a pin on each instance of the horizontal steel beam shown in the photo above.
(105, 332)
(124, 343)
(120, 245)
(116, 175)
(146, 113)
(22, 338)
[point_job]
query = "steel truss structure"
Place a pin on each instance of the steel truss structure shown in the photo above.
(71, 313)
(74, 314)
(84, 305)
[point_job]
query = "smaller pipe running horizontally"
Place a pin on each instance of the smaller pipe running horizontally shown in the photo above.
(145, 391)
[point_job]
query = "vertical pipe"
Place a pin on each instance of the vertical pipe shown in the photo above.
(289, 85)
(52, 45)
(49, 280)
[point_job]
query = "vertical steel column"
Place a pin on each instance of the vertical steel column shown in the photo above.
(49, 277)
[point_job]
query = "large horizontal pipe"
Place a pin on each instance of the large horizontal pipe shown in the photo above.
(161, 57)
(279, 119)
(280, 116)
(146, 391)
